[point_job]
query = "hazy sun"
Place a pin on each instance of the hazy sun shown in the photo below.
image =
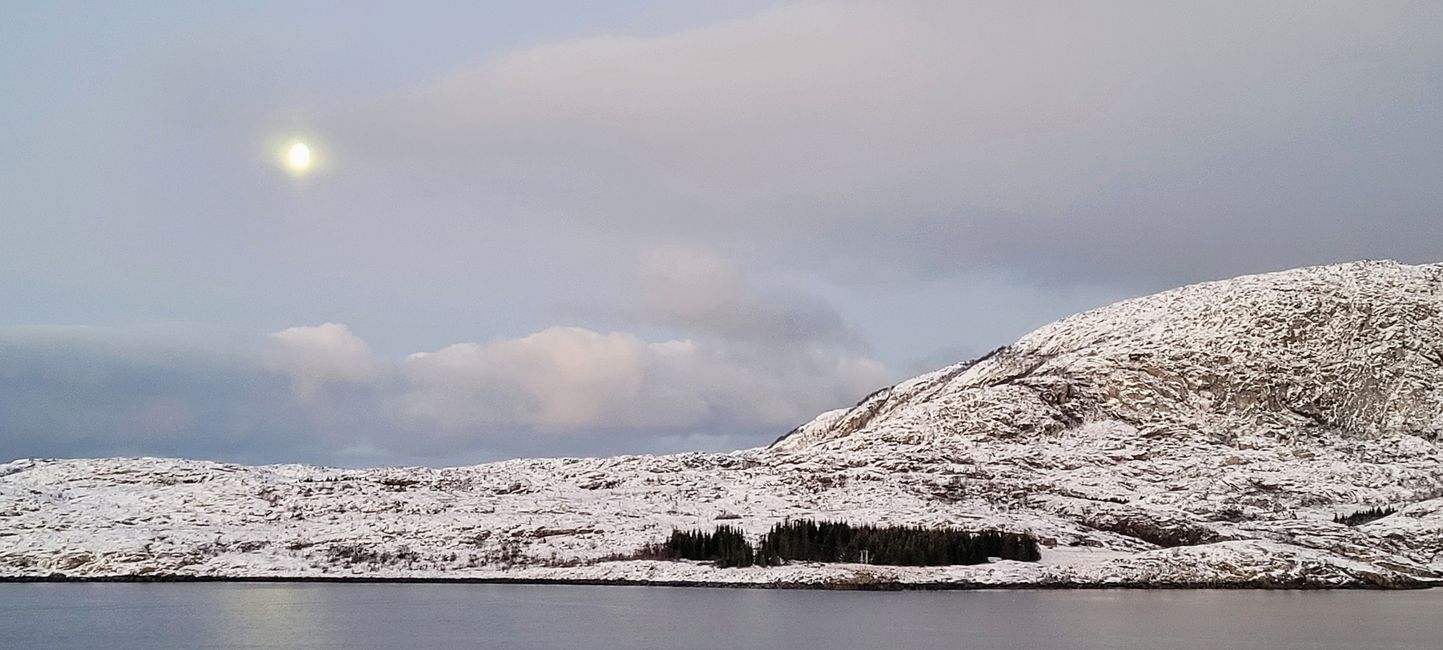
(298, 158)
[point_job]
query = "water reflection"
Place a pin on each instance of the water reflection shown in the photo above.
(270, 615)
(327, 616)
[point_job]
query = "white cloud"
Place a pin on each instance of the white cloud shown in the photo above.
(561, 378)
(568, 379)
(745, 361)
(316, 356)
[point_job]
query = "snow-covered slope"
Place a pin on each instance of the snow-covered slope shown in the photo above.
(1355, 350)
(1201, 436)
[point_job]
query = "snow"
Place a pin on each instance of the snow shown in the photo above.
(1204, 436)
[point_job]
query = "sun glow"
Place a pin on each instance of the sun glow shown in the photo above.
(298, 158)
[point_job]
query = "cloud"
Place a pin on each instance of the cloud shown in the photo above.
(1129, 142)
(748, 359)
(170, 391)
(577, 381)
(314, 357)
(558, 379)
(320, 394)
(699, 292)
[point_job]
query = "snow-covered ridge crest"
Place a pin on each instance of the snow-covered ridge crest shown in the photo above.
(1206, 436)
(1352, 349)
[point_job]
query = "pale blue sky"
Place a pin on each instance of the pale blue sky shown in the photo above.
(582, 227)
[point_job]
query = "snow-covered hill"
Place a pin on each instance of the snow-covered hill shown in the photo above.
(1202, 436)
(1353, 350)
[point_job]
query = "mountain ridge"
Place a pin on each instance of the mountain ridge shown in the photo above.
(1071, 364)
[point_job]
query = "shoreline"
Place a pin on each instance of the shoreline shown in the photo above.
(720, 584)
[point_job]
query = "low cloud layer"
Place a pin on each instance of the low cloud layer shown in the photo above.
(319, 393)
(319, 356)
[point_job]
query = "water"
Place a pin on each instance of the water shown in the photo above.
(314, 616)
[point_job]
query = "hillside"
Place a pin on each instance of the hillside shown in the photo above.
(1206, 435)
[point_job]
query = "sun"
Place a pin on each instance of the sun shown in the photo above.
(298, 158)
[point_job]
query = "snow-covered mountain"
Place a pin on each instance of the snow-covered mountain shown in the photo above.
(1202, 436)
(1352, 350)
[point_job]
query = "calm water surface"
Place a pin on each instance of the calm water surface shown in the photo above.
(164, 616)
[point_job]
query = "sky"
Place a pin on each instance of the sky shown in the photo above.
(552, 228)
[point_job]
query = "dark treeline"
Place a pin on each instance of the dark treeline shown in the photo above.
(810, 541)
(1363, 516)
(726, 545)
(905, 545)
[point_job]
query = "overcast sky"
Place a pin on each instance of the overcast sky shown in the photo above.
(576, 228)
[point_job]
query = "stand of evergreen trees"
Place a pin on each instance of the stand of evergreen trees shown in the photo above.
(806, 540)
(726, 545)
(904, 545)
(1363, 516)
